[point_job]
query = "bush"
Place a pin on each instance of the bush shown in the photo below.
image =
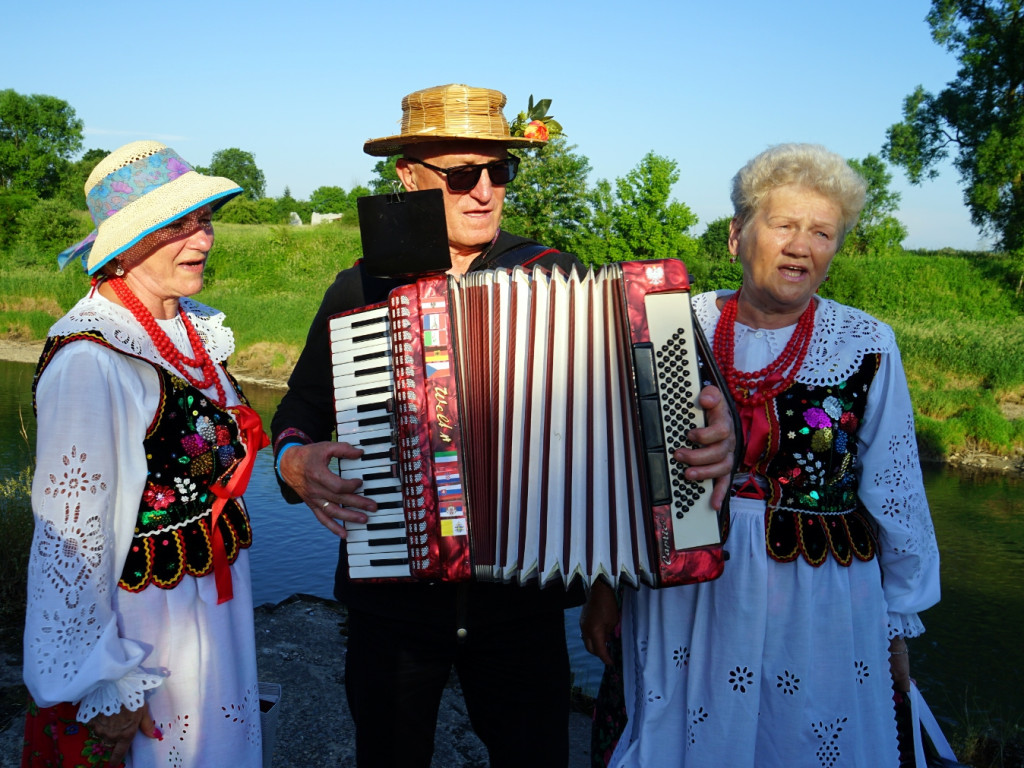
(16, 533)
(46, 229)
(12, 204)
(715, 240)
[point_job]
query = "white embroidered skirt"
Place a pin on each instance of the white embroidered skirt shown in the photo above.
(772, 664)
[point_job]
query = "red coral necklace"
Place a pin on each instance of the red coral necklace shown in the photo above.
(167, 349)
(758, 386)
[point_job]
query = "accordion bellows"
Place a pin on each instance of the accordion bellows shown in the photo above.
(518, 425)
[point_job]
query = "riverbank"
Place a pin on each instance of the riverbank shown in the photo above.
(300, 644)
(965, 460)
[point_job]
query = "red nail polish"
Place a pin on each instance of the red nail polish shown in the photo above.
(159, 734)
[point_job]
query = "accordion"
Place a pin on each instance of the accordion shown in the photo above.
(518, 425)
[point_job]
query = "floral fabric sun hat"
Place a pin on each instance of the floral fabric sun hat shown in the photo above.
(450, 112)
(136, 190)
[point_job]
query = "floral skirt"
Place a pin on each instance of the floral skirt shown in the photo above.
(55, 739)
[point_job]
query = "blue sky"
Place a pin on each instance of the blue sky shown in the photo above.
(303, 84)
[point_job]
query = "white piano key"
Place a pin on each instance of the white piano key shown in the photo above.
(380, 485)
(366, 559)
(377, 520)
(380, 571)
(352, 382)
(390, 547)
(344, 364)
(351, 403)
(356, 324)
(354, 467)
(355, 422)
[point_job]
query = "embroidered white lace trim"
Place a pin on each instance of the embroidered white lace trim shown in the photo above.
(123, 332)
(108, 697)
(842, 336)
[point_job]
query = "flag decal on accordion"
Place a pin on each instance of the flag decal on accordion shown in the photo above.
(456, 527)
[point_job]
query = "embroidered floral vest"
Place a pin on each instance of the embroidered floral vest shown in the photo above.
(189, 444)
(812, 505)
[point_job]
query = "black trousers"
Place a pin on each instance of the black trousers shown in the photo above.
(514, 677)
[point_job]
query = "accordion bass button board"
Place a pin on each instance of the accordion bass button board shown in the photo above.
(517, 425)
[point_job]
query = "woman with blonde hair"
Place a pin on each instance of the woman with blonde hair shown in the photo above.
(791, 656)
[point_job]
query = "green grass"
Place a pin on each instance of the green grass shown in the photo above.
(269, 280)
(960, 326)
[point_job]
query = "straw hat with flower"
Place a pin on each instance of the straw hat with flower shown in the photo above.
(136, 190)
(456, 112)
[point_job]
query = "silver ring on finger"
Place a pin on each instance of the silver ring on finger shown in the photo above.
(325, 504)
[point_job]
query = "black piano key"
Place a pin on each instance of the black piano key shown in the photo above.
(646, 379)
(380, 562)
(657, 478)
(651, 425)
(390, 542)
(385, 390)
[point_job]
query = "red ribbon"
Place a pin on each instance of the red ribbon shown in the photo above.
(254, 438)
(756, 431)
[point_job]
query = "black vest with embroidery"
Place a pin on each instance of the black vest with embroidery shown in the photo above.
(812, 507)
(190, 443)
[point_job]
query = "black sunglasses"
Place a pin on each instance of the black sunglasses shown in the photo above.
(462, 178)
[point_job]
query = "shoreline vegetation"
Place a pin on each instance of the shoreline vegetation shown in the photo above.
(958, 318)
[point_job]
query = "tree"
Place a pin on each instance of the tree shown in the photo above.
(648, 223)
(979, 117)
(242, 210)
(597, 243)
(72, 184)
(714, 242)
(286, 205)
(329, 200)
(547, 200)
(38, 136)
(355, 193)
(877, 230)
(386, 179)
(239, 166)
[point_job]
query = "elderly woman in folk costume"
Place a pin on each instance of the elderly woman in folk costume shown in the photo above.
(139, 642)
(790, 658)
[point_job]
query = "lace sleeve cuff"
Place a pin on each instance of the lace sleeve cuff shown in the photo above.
(905, 625)
(108, 696)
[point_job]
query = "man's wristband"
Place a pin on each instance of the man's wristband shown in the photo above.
(280, 453)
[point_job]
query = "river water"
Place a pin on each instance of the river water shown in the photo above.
(971, 659)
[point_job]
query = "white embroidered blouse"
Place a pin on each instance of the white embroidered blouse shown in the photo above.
(93, 408)
(889, 471)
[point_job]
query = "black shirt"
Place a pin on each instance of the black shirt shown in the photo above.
(309, 406)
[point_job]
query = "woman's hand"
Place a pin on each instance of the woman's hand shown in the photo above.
(306, 468)
(899, 664)
(714, 459)
(116, 732)
(598, 621)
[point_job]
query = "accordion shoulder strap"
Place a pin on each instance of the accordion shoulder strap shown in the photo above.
(524, 255)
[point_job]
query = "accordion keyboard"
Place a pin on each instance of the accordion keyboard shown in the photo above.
(361, 361)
